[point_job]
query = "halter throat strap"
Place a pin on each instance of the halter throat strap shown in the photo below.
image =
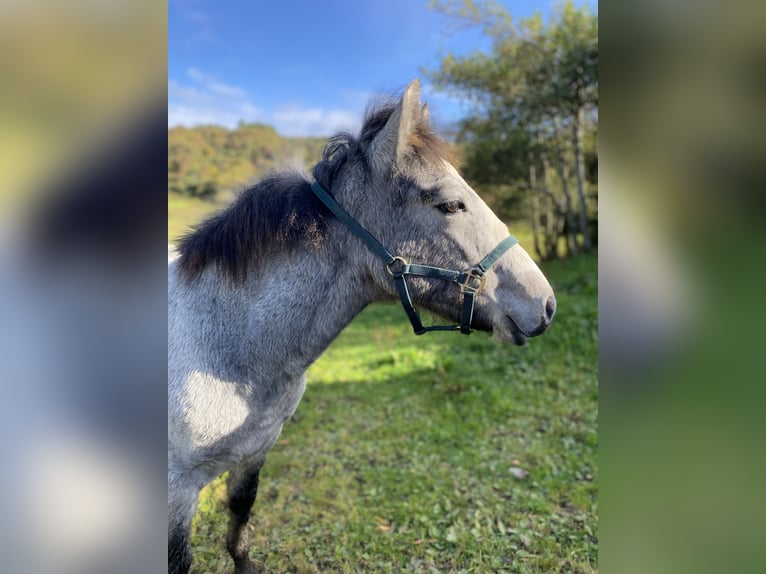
(470, 281)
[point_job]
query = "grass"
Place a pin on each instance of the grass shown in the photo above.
(440, 453)
(185, 211)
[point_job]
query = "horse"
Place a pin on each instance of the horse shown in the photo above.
(259, 291)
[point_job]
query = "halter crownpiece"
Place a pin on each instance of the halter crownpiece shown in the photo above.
(470, 281)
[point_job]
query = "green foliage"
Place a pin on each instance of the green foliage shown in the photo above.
(212, 162)
(536, 68)
(495, 163)
(440, 453)
(208, 165)
(531, 138)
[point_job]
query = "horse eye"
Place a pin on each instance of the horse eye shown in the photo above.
(452, 207)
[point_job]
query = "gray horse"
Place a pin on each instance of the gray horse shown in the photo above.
(260, 290)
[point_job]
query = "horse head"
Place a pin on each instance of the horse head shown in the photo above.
(416, 204)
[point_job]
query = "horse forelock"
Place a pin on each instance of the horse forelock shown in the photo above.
(425, 144)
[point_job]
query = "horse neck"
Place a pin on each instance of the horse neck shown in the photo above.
(296, 304)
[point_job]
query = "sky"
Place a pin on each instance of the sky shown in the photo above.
(309, 67)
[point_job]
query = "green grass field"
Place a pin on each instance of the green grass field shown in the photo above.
(440, 453)
(186, 211)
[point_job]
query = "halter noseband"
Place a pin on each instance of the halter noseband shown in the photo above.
(470, 281)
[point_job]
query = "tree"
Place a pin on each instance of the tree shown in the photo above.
(213, 162)
(536, 110)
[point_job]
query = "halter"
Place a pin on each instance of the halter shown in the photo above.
(470, 281)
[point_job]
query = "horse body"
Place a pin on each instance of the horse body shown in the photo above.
(261, 290)
(238, 355)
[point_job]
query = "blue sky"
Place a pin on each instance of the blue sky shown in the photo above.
(307, 67)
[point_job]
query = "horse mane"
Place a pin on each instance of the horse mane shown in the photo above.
(281, 212)
(278, 212)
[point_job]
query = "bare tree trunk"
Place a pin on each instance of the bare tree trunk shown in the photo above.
(577, 132)
(535, 207)
(536, 226)
(563, 171)
(568, 222)
(551, 215)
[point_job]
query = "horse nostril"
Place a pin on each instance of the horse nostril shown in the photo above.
(550, 308)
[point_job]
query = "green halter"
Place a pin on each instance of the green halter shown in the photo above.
(470, 281)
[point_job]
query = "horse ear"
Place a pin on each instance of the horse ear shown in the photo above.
(393, 141)
(410, 117)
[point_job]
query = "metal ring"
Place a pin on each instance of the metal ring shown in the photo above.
(469, 277)
(402, 260)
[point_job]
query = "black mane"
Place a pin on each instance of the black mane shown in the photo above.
(279, 212)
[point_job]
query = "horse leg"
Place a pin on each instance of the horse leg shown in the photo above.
(242, 488)
(182, 504)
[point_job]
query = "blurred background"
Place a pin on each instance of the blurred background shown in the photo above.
(680, 286)
(83, 99)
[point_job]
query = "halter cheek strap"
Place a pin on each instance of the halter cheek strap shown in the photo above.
(470, 281)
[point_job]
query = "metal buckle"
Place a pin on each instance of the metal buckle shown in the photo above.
(473, 274)
(401, 260)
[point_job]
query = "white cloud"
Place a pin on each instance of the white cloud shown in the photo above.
(206, 100)
(209, 102)
(295, 120)
(180, 115)
(210, 84)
